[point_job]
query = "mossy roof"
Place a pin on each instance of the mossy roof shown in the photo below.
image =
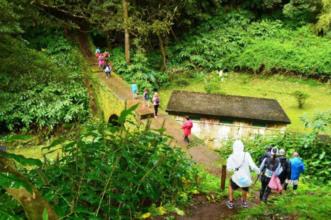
(226, 106)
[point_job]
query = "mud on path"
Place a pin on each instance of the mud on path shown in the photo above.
(202, 209)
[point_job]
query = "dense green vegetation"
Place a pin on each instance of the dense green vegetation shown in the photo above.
(236, 41)
(44, 89)
(139, 71)
(117, 172)
(98, 171)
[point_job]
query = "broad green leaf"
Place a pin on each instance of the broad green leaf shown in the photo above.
(8, 216)
(21, 159)
(8, 180)
(45, 214)
(18, 137)
(125, 113)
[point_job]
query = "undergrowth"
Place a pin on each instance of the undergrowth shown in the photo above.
(119, 173)
(235, 40)
(313, 202)
(140, 70)
(44, 89)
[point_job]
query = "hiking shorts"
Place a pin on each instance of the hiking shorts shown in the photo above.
(293, 182)
(234, 186)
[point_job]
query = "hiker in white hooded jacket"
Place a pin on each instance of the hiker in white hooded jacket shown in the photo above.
(240, 163)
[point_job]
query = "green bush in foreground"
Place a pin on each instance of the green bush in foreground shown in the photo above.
(110, 172)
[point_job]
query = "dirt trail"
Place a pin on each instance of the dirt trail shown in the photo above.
(201, 154)
(204, 156)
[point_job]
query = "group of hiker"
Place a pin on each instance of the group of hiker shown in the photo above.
(104, 62)
(275, 172)
(146, 95)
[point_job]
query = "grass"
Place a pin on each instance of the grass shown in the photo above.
(278, 87)
(308, 202)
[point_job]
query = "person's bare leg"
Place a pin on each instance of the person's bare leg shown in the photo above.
(230, 194)
(244, 195)
(244, 203)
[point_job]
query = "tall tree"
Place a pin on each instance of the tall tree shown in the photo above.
(126, 30)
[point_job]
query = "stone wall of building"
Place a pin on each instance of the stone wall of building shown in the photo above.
(213, 132)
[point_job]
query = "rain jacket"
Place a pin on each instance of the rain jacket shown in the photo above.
(240, 162)
(297, 167)
(187, 126)
(134, 88)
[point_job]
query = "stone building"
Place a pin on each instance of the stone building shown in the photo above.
(220, 117)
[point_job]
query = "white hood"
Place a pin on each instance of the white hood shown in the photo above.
(237, 155)
(242, 160)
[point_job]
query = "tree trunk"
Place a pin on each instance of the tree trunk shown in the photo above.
(33, 203)
(163, 53)
(126, 31)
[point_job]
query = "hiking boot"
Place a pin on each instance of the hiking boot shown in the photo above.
(244, 204)
(229, 204)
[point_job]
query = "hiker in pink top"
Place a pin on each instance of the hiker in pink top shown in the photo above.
(101, 61)
(187, 126)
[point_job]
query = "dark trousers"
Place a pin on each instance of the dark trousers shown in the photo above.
(265, 190)
(186, 139)
(156, 109)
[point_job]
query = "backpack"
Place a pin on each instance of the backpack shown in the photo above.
(241, 176)
(270, 167)
(157, 100)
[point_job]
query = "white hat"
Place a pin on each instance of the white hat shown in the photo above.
(281, 152)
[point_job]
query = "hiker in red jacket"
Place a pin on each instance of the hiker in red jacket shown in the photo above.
(187, 126)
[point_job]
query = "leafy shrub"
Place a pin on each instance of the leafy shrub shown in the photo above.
(112, 172)
(211, 84)
(139, 70)
(301, 98)
(233, 40)
(42, 89)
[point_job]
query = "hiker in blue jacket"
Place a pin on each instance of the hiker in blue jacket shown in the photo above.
(297, 167)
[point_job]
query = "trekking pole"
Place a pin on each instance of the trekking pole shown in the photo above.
(257, 178)
(223, 177)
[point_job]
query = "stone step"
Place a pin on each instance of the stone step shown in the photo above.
(142, 112)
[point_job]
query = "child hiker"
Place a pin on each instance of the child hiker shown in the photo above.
(187, 126)
(240, 163)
